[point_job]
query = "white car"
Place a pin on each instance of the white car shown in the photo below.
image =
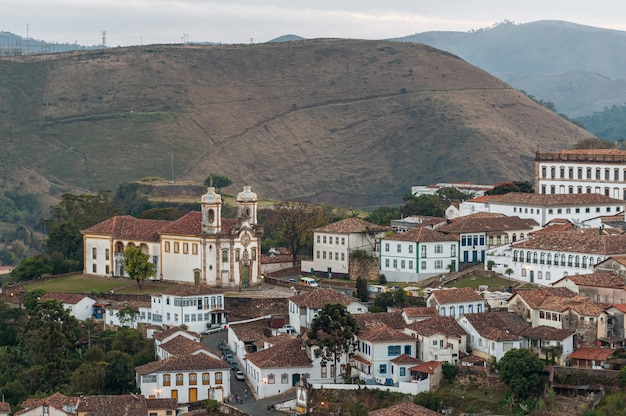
(239, 375)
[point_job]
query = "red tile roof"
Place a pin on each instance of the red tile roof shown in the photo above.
(446, 325)
(191, 225)
(419, 312)
(352, 225)
(383, 333)
(197, 362)
(535, 297)
(405, 359)
(591, 353)
(426, 367)
(422, 235)
(498, 326)
(547, 199)
(316, 299)
(288, 354)
(588, 241)
(405, 408)
(596, 279)
(159, 336)
(370, 319)
(66, 298)
(57, 400)
(125, 227)
(549, 333)
(181, 345)
(122, 405)
(475, 224)
(455, 295)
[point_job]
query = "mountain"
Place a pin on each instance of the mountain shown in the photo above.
(351, 122)
(581, 69)
(287, 38)
(14, 45)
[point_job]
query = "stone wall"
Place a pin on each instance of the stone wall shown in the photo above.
(365, 267)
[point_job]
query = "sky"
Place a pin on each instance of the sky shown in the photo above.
(141, 22)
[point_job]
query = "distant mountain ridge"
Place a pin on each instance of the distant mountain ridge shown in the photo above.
(349, 122)
(580, 68)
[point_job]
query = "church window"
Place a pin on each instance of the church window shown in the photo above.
(176, 247)
(194, 248)
(237, 255)
(224, 256)
(186, 248)
(167, 246)
(211, 216)
(253, 253)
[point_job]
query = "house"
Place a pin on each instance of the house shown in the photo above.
(400, 368)
(127, 314)
(546, 257)
(5, 409)
(181, 345)
(199, 248)
(413, 221)
(405, 408)
(604, 287)
(418, 313)
(562, 309)
(440, 338)
(376, 348)
(615, 264)
(333, 244)
(280, 365)
(126, 405)
(305, 307)
(490, 335)
(169, 334)
(456, 301)
(392, 319)
(418, 254)
(591, 357)
(479, 232)
(543, 208)
(186, 378)
(57, 404)
(432, 371)
(465, 187)
(78, 305)
(244, 337)
(549, 343)
(579, 171)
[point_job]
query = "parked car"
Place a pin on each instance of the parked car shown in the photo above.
(234, 366)
(287, 329)
(239, 375)
(229, 358)
(221, 345)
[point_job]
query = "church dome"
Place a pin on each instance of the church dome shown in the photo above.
(246, 195)
(211, 196)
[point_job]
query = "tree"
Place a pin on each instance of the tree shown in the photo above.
(515, 186)
(383, 215)
(520, 370)
(449, 371)
(509, 272)
(294, 222)
(361, 289)
(333, 331)
(119, 374)
(138, 265)
(31, 268)
(128, 316)
(428, 204)
(218, 181)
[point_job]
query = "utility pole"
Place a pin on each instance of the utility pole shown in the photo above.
(104, 39)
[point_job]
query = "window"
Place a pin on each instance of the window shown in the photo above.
(453, 250)
(383, 369)
(176, 247)
(399, 248)
(194, 249)
(318, 254)
(386, 263)
(343, 256)
(438, 248)
(94, 253)
(580, 173)
(411, 249)
(324, 371)
(179, 379)
(411, 264)
(185, 248)
(438, 264)
(402, 371)
(343, 241)
(237, 255)
(271, 379)
(424, 248)
(95, 268)
(193, 379)
(324, 239)
(106, 254)
(218, 377)
(543, 171)
(330, 240)
(337, 240)
(387, 247)
(284, 378)
(167, 379)
(407, 349)
(224, 256)
(395, 263)
(318, 239)
(167, 246)
(423, 265)
(253, 251)
(206, 379)
(393, 350)
(402, 264)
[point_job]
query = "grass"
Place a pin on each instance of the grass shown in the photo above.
(476, 280)
(77, 283)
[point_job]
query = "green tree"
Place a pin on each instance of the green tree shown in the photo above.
(138, 265)
(31, 299)
(361, 289)
(515, 186)
(449, 371)
(128, 316)
(450, 195)
(383, 215)
(294, 222)
(218, 181)
(12, 322)
(119, 375)
(333, 331)
(88, 378)
(509, 272)
(429, 204)
(31, 268)
(64, 247)
(521, 371)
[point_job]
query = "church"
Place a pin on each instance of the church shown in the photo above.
(200, 248)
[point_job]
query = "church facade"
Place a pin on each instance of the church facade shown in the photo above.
(200, 248)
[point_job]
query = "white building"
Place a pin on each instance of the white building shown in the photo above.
(79, 306)
(440, 338)
(418, 254)
(579, 171)
(543, 208)
(465, 187)
(456, 301)
(333, 244)
(200, 248)
(305, 307)
(490, 335)
(548, 256)
(187, 378)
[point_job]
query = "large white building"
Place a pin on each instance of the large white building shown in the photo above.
(200, 248)
(333, 244)
(582, 171)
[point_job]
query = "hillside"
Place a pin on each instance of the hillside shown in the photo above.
(345, 121)
(579, 68)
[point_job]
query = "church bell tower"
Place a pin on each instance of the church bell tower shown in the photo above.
(211, 212)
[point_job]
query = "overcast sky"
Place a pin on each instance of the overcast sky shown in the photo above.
(134, 22)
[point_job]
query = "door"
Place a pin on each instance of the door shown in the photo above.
(294, 379)
(532, 276)
(465, 257)
(193, 394)
(175, 394)
(245, 276)
(474, 256)
(196, 277)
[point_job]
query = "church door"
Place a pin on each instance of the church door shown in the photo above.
(245, 276)
(196, 277)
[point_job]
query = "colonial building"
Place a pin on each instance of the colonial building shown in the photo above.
(305, 307)
(200, 248)
(456, 301)
(440, 338)
(582, 171)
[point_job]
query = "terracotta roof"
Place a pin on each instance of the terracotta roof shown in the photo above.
(535, 297)
(352, 225)
(197, 362)
(618, 259)
(550, 333)
(498, 326)
(591, 353)
(419, 311)
(596, 279)
(620, 307)
(5, 407)
(422, 235)
(523, 198)
(406, 408)
(167, 404)
(119, 305)
(316, 299)
(592, 152)
(475, 224)
(280, 258)
(588, 241)
(125, 227)
(189, 290)
(66, 298)
(383, 333)
(426, 367)
(181, 345)
(291, 353)
(191, 224)
(405, 359)
(370, 319)
(159, 336)
(57, 400)
(446, 325)
(361, 360)
(455, 295)
(249, 331)
(122, 405)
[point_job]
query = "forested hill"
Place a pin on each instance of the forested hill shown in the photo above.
(347, 121)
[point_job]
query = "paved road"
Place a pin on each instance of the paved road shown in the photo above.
(251, 405)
